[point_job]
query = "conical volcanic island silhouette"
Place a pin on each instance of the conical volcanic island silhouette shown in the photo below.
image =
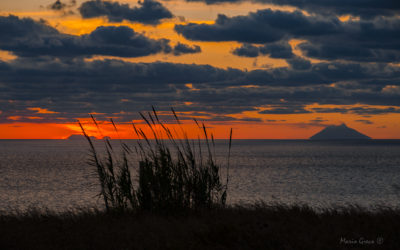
(340, 132)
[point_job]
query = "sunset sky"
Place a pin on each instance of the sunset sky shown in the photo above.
(270, 69)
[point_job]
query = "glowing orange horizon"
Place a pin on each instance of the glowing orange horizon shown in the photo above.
(254, 130)
(270, 126)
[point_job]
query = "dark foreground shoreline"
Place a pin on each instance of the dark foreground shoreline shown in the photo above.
(250, 227)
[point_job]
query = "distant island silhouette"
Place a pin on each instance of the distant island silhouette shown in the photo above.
(340, 132)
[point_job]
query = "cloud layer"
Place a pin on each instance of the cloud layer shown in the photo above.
(28, 38)
(273, 50)
(365, 9)
(326, 37)
(149, 11)
(74, 88)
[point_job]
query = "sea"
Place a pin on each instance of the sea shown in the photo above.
(55, 174)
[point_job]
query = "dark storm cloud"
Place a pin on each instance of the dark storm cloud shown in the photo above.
(285, 110)
(331, 110)
(299, 63)
(76, 87)
(375, 40)
(273, 50)
(277, 50)
(119, 41)
(13, 28)
(217, 1)
(149, 12)
(328, 38)
(28, 38)
(358, 110)
(364, 9)
(25, 70)
(44, 70)
(224, 118)
(103, 72)
(262, 26)
(181, 48)
(327, 73)
(247, 50)
(334, 49)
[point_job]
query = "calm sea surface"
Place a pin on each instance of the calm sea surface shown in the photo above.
(54, 173)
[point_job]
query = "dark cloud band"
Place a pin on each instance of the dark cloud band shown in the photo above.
(326, 37)
(28, 38)
(364, 9)
(76, 87)
(273, 50)
(149, 12)
(181, 48)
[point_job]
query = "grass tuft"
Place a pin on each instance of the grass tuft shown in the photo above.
(173, 174)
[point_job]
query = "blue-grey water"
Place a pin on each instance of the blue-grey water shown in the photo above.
(54, 173)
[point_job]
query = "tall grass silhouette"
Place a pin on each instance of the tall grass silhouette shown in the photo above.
(173, 171)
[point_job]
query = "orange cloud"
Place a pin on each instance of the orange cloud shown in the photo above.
(42, 111)
(35, 118)
(6, 56)
(14, 118)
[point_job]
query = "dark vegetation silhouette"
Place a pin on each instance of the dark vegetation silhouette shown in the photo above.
(257, 226)
(174, 172)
